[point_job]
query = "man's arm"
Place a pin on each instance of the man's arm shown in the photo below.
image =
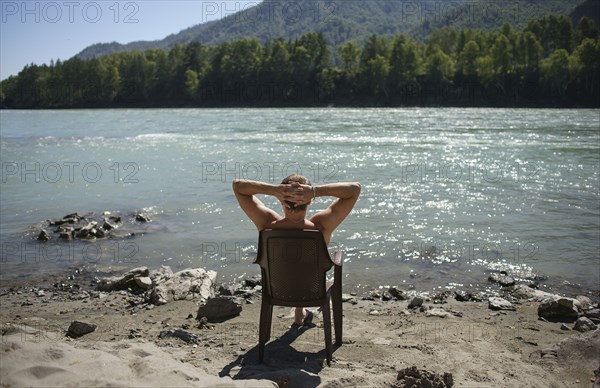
(246, 191)
(346, 194)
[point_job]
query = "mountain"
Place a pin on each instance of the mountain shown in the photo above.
(343, 20)
(590, 8)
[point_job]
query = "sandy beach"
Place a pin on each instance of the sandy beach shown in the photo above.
(478, 346)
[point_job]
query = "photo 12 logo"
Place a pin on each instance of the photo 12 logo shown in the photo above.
(53, 172)
(287, 12)
(452, 172)
(69, 11)
(272, 172)
(110, 252)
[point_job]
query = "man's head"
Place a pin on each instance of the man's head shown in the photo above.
(299, 179)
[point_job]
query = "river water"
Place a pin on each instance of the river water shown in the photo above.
(449, 195)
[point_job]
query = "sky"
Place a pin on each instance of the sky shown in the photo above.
(41, 31)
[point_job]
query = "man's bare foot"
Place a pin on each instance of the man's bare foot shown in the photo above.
(302, 316)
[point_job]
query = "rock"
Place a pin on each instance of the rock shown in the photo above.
(182, 334)
(68, 219)
(559, 309)
(139, 217)
(227, 289)
(219, 309)
(77, 329)
(108, 226)
(586, 303)
(386, 296)
(521, 291)
(579, 350)
(415, 301)
(462, 296)
(44, 236)
(347, 298)
(592, 313)
(118, 283)
(188, 284)
(66, 235)
(398, 293)
(253, 281)
(115, 219)
(413, 377)
(496, 303)
(584, 324)
(597, 378)
(86, 231)
(438, 312)
(144, 282)
(564, 327)
(502, 279)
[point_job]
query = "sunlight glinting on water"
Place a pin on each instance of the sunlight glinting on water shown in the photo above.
(448, 194)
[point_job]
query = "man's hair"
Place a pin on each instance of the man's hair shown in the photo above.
(303, 181)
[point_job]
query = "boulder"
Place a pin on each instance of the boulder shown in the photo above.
(586, 303)
(438, 312)
(584, 324)
(144, 282)
(496, 303)
(462, 296)
(219, 309)
(413, 377)
(44, 236)
(253, 281)
(86, 231)
(182, 334)
(415, 301)
(142, 218)
(521, 291)
(78, 329)
(557, 308)
(124, 282)
(398, 293)
(188, 284)
(502, 279)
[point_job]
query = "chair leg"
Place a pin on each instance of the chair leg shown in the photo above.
(327, 328)
(336, 296)
(264, 331)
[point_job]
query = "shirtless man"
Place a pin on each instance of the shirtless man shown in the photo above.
(295, 193)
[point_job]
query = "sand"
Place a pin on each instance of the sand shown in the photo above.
(478, 346)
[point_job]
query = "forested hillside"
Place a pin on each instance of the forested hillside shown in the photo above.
(341, 21)
(549, 63)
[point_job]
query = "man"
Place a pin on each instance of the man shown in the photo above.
(295, 193)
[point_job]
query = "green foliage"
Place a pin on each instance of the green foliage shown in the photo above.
(548, 63)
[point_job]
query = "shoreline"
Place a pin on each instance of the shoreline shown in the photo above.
(484, 285)
(477, 345)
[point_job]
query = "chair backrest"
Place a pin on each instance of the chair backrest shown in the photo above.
(294, 263)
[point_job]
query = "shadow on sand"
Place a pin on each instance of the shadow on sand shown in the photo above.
(283, 364)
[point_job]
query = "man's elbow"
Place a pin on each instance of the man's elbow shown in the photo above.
(356, 188)
(236, 185)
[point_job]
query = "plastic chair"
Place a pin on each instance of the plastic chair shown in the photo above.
(294, 264)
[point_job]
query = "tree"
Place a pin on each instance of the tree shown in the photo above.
(466, 64)
(349, 54)
(445, 39)
(406, 63)
(440, 69)
(586, 28)
(556, 72)
(374, 46)
(587, 64)
(378, 69)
